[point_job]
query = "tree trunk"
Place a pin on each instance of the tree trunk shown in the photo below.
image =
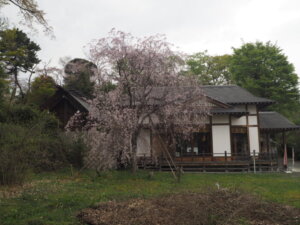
(17, 84)
(133, 153)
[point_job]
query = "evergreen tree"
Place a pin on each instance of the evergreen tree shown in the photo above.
(265, 71)
(17, 54)
(42, 88)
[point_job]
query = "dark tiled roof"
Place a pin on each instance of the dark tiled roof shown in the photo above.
(233, 111)
(228, 94)
(275, 121)
(232, 94)
(75, 98)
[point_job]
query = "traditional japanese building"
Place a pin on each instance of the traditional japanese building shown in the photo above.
(237, 131)
(65, 103)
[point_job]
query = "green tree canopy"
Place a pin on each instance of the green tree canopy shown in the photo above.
(42, 88)
(210, 70)
(265, 71)
(18, 54)
(78, 74)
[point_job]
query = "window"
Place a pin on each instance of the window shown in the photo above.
(239, 141)
(198, 144)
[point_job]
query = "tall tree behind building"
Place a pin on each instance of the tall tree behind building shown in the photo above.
(209, 70)
(78, 76)
(264, 70)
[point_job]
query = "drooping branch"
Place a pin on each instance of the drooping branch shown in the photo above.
(32, 9)
(31, 12)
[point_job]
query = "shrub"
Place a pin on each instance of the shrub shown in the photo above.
(58, 151)
(15, 149)
(30, 139)
(77, 151)
(22, 114)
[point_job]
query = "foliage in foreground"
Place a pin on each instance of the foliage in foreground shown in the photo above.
(56, 198)
(31, 140)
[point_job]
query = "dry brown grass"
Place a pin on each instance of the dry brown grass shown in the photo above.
(222, 207)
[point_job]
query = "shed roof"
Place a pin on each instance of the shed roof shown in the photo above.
(233, 94)
(75, 98)
(275, 121)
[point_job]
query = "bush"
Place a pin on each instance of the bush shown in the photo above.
(58, 151)
(22, 114)
(30, 139)
(14, 153)
(77, 151)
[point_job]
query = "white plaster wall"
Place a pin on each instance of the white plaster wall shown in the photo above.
(143, 143)
(252, 120)
(220, 119)
(252, 109)
(154, 119)
(221, 139)
(146, 120)
(238, 121)
(253, 139)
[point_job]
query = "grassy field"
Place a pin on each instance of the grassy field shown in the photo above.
(55, 198)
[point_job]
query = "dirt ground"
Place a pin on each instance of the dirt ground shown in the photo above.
(219, 207)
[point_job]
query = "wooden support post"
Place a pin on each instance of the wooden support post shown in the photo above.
(160, 161)
(181, 155)
(293, 158)
(226, 166)
(285, 160)
(277, 158)
(272, 169)
(192, 152)
(254, 163)
(178, 173)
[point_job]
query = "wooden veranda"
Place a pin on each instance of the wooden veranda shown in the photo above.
(222, 162)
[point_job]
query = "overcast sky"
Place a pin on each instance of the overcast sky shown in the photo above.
(191, 25)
